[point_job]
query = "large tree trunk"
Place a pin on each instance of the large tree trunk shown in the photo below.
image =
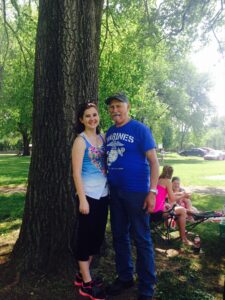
(66, 74)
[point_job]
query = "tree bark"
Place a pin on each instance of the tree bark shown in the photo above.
(26, 142)
(66, 74)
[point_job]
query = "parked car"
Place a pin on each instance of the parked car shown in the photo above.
(193, 152)
(215, 155)
(207, 149)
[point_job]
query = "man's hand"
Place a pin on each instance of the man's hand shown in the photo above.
(149, 203)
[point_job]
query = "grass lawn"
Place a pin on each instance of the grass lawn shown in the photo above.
(195, 171)
(181, 274)
(11, 210)
(13, 170)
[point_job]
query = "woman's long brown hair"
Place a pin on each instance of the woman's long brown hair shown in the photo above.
(167, 172)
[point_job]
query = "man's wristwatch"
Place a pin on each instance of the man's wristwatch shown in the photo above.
(154, 191)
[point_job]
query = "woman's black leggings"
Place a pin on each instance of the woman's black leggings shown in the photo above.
(91, 229)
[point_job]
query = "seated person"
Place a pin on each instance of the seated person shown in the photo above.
(182, 198)
(164, 188)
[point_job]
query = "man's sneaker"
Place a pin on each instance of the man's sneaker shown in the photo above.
(118, 286)
(78, 280)
(92, 291)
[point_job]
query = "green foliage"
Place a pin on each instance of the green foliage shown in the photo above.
(167, 136)
(215, 136)
(184, 21)
(11, 141)
(163, 87)
(144, 52)
(185, 93)
(17, 57)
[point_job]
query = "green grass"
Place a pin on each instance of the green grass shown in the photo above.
(184, 276)
(11, 211)
(13, 170)
(196, 277)
(208, 202)
(13, 174)
(194, 171)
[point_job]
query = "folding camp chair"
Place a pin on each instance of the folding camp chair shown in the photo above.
(204, 216)
(162, 224)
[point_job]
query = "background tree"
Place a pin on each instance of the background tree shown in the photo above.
(184, 21)
(141, 44)
(215, 134)
(137, 57)
(17, 58)
(185, 91)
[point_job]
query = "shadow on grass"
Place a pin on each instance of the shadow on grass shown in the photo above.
(185, 275)
(182, 282)
(10, 226)
(11, 211)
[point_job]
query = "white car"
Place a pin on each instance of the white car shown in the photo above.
(215, 155)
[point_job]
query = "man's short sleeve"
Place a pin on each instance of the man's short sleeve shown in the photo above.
(147, 140)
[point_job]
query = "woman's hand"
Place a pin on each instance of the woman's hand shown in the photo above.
(84, 207)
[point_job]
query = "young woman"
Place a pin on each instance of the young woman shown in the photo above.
(164, 189)
(89, 174)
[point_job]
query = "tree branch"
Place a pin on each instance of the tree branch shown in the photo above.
(106, 28)
(7, 34)
(7, 25)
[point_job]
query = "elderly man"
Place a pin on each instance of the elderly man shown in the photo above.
(133, 171)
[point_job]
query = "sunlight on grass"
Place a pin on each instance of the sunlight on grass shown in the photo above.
(13, 170)
(194, 171)
(11, 211)
(10, 225)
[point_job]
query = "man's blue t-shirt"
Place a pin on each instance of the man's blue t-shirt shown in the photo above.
(128, 167)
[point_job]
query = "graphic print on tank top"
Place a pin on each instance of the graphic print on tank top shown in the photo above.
(97, 157)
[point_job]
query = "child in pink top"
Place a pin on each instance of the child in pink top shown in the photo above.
(182, 197)
(160, 198)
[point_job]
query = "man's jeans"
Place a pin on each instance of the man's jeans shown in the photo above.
(129, 219)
